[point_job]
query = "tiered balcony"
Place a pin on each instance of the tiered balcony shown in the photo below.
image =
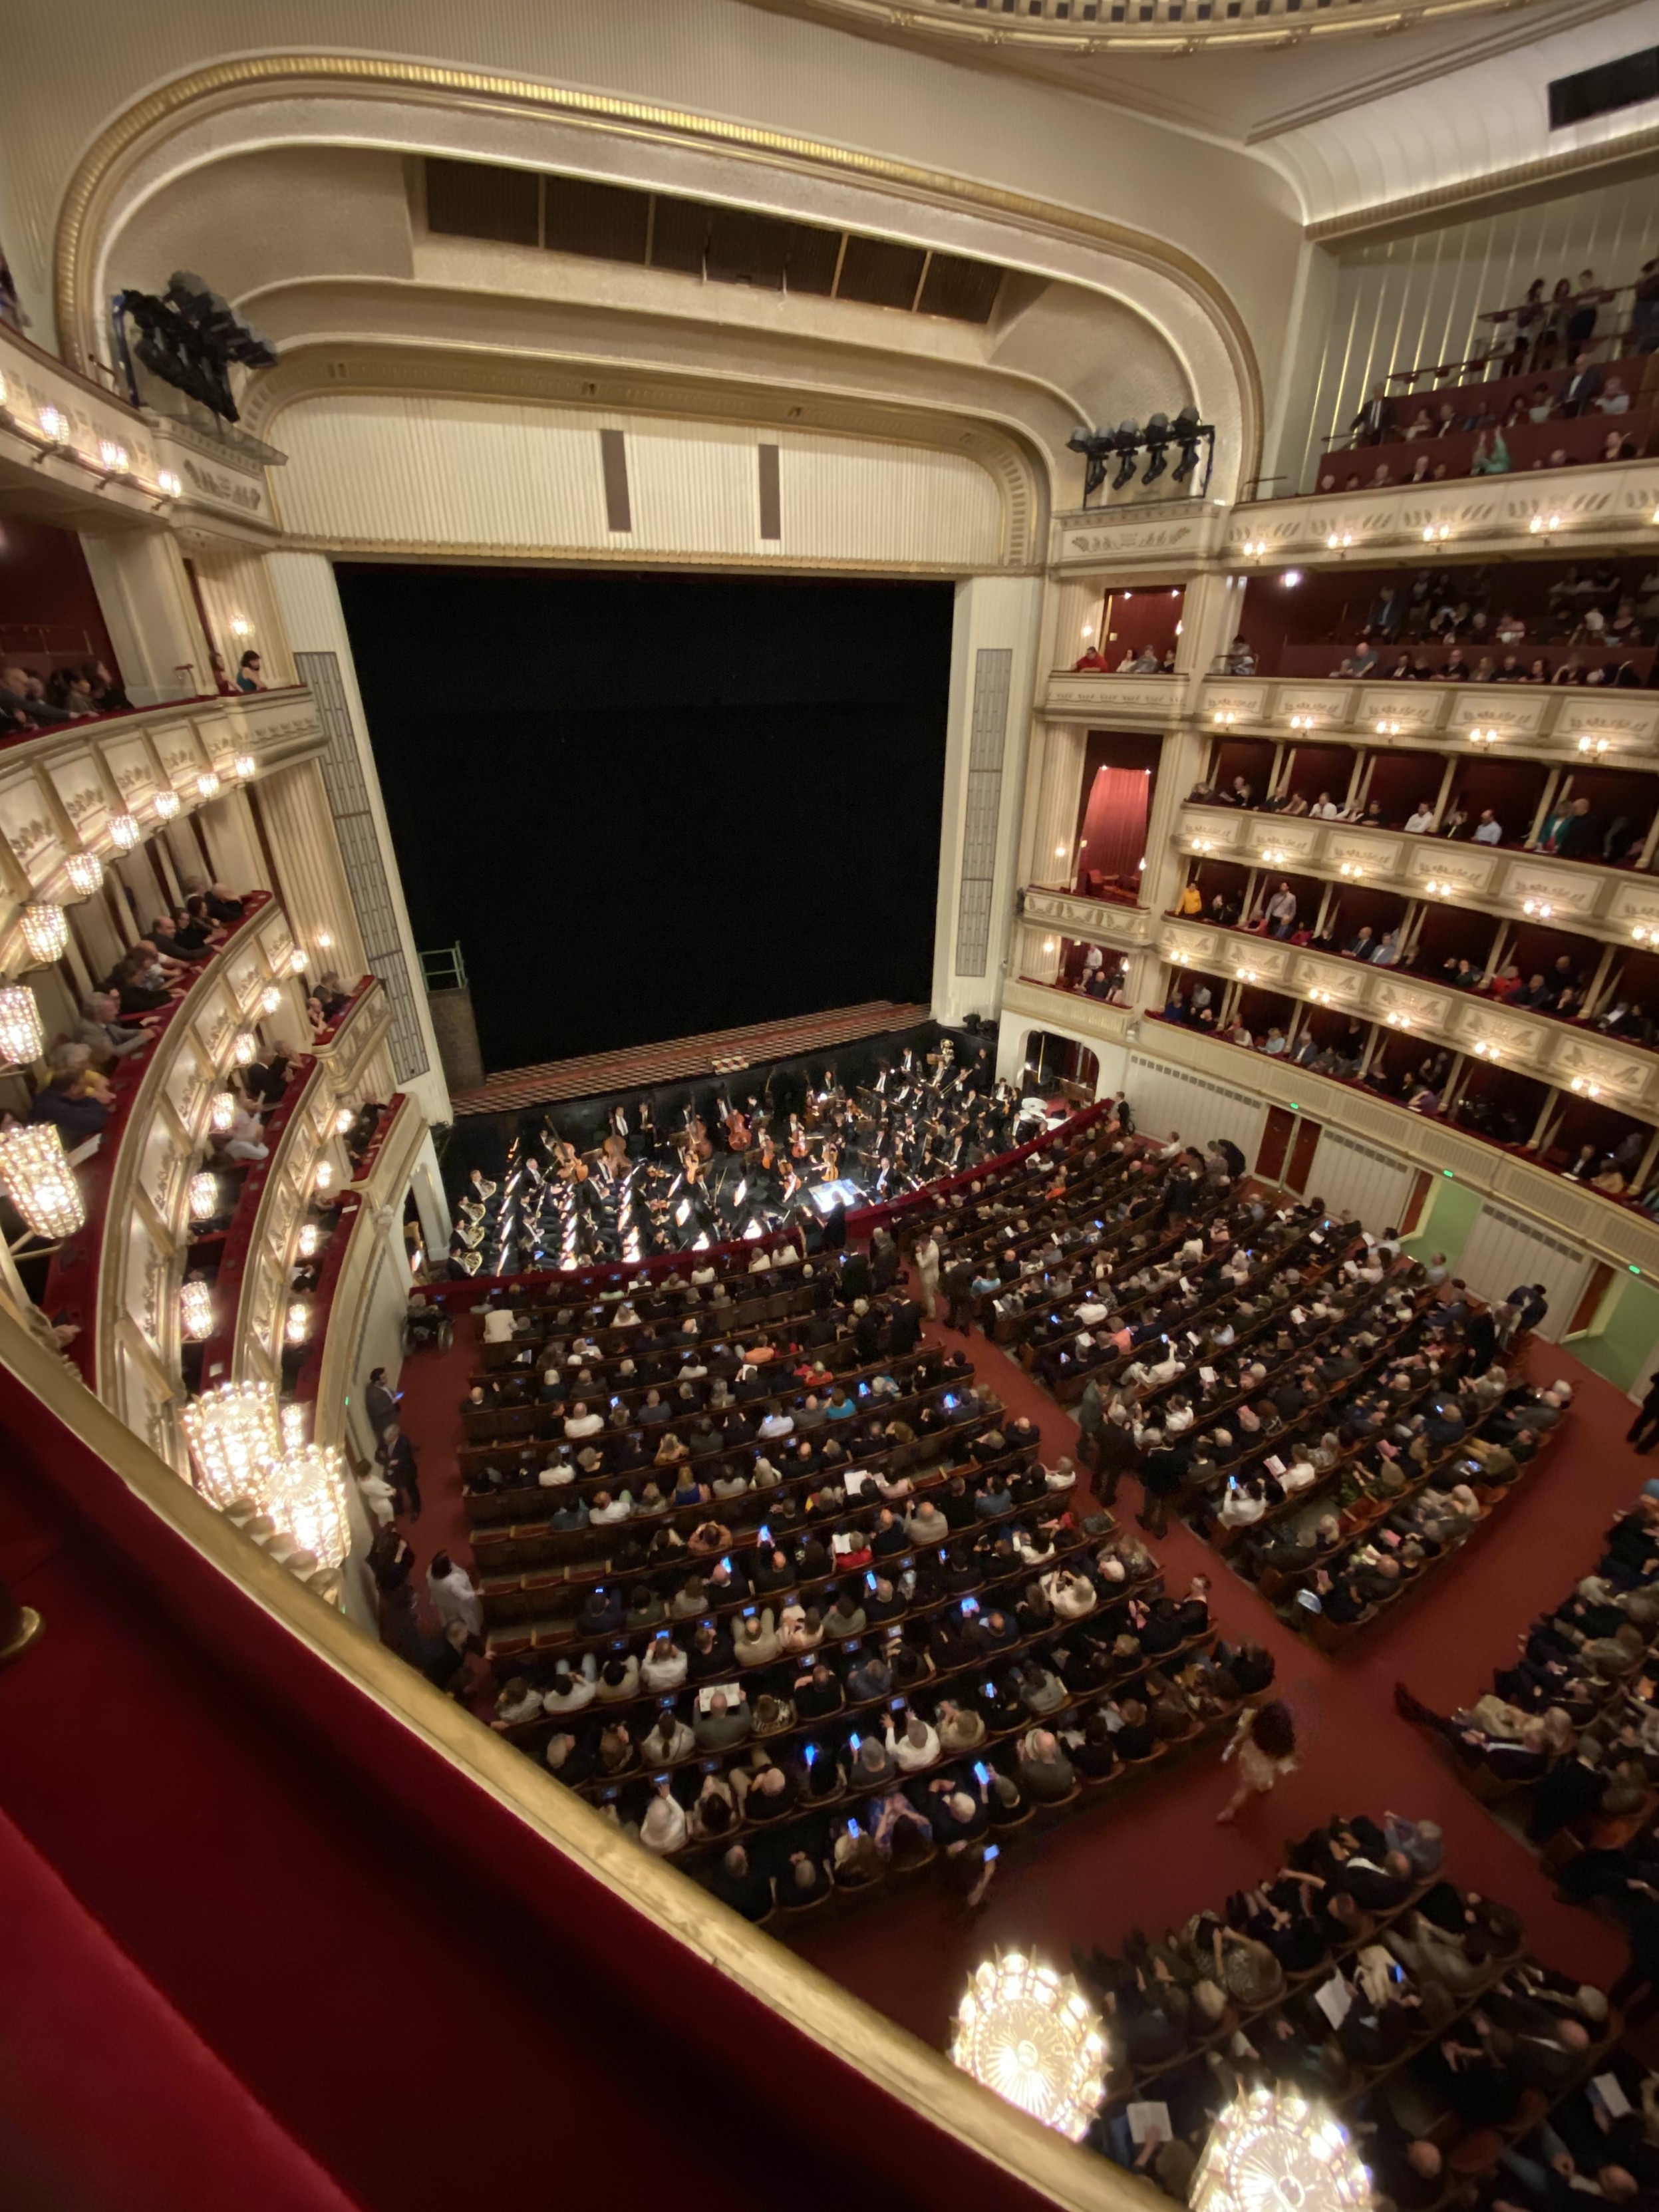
(1605, 903)
(259, 1254)
(1118, 702)
(119, 1277)
(1555, 1052)
(59, 788)
(1605, 507)
(1560, 723)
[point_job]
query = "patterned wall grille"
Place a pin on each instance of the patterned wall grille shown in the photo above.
(993, 673)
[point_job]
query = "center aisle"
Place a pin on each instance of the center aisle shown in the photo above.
(1150, 1858)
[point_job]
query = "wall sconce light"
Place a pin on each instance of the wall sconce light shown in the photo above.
(221, 1112)
(204, 1195)
(207, 784)
(1302, 722)
(36, 1176)
(1435, 532)
(1544, 525)
(1274, 855)
(1437, 887)
(1390, 729)
(22, 1039)
(1597, 745)
(1646, 933)
(112, 457)
(166, 804)
(1047, 946)
(270, 999)
(85, 871)
(168, 484)
(45, 932)
(1485, 736)
(1400, 1021)
(345, 1117)
(1290, 578)
(325, 1175)
(196, 1311)
(1353, 873)
(299, 960)
(55, 425)
(325, 942)
(1254, 548)
(1245, 975)
(295, 1423)
(308, 1241)
(234, 1441)
(245, 1047)
(1484, 1051)
(296, 1326)
(1584, 1088)
(125, 831)
(1224, 721)
(1540, 908)
(240, 628)
(244, 768)
(1335, 542)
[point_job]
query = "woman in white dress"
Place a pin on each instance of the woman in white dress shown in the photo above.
(1264, 1744)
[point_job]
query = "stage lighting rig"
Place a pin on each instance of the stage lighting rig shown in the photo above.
(189, 337)
(1187, 434)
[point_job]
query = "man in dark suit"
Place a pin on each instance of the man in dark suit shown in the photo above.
(1374, 423)
(396, 1456)
(1581, 386)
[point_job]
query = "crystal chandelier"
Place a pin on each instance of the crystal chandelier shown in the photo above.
(308, 1241)
(296, 1327)
(204, 1195)
(85, 871)
(196, 1310)
(308, 1499)
(125, 831)
(166, 804)
(245, 767)
(1271, 2149)
(343, 1120)
(45, 932)
(1030, 2034)
(221, 1112)
(21, 1038)
(207, 784)
(324, 1175)
(243, 1050)
(36, 1176)
(235, 1442)
(270, 999)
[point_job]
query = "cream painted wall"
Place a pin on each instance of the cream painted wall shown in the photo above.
(408, 471)
(1226, 207)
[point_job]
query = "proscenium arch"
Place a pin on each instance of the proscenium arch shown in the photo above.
(166, 117)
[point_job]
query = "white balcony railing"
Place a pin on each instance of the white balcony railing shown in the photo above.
(1560, 723)
(1135, 703)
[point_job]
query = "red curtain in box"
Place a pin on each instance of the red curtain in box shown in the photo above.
(1114, 842)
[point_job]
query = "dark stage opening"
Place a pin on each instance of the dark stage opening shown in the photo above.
(650, 805)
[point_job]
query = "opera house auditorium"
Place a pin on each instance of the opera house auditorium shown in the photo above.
(829, 1105)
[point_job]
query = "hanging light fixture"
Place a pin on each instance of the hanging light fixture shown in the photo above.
(309, 1238)
(270, 999)
(196, 1310)
(244, 768)
(166, 804)
(343, 1120)
(308, 1499)
(125, 831)
(296, 1327)
(325, 942)
(1030, 2034)
(221, 1112)
(1271, 2149)
(207, 784)
(45, 932)
(204, 1195)
(21, 1038)
(245, 1047)
(36, 1176)
(85, 871)
(325, 1175)
(235, 1442)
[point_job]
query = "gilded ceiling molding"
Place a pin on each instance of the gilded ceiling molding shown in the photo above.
(1171, 27)
(1635, 154)
(331, 371)
(246, 81)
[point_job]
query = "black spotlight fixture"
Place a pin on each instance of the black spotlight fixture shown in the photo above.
(1128, 443)
(1189, 435)
(190, 338)
(1096, 446)
(1158, 443)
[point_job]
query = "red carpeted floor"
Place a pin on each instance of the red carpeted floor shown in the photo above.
(1150, 1858)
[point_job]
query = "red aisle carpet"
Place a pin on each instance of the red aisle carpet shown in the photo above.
(1152, 1857)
